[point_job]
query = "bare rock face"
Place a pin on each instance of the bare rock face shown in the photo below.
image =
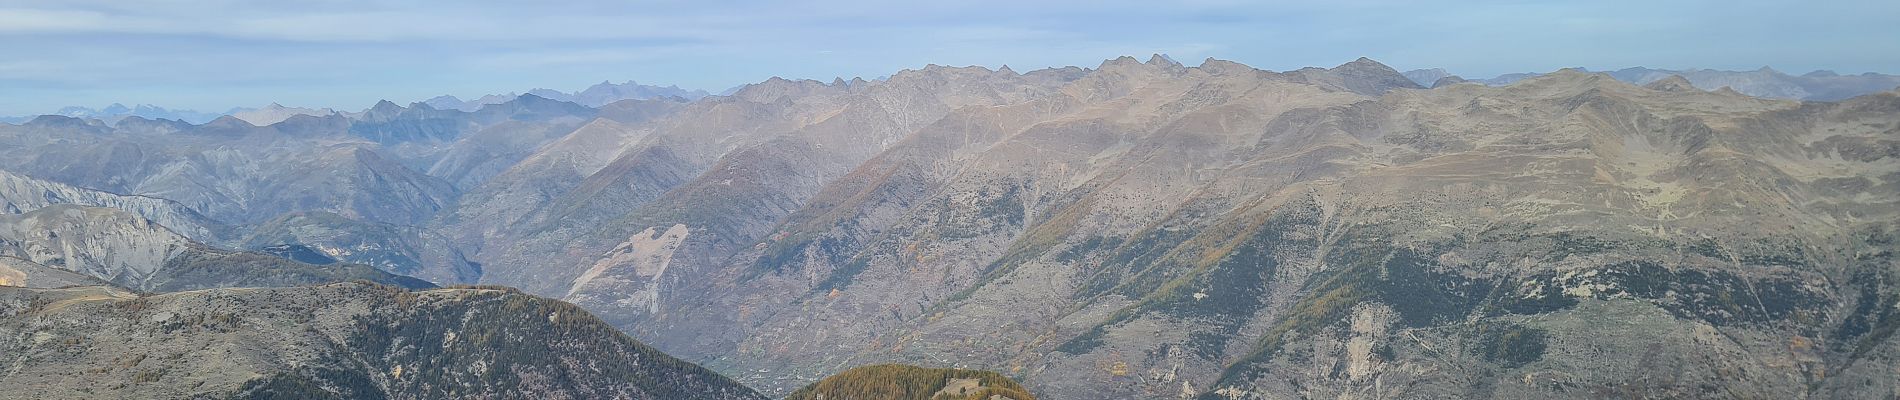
(20, 194)
(341, 341)
(115, 246)
(1150, 230)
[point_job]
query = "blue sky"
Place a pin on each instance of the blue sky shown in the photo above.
(215, 54)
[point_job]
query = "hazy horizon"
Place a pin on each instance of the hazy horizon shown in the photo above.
(211, 56)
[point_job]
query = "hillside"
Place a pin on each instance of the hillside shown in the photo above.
(904, 382)
(340, 341)
(1145, 229)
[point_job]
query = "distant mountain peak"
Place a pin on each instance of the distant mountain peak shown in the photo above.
(596, 95)
(1123, 61)
(1448, 80)
(1674, 83)
(1219, 66)
(229, 122)
(1162, 60)
(1364, 64)
(54, 120)
(1365, 76)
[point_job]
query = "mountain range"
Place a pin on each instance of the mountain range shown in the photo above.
(1133, 229)
(598, 95)
(115, 112)
(1820, 85)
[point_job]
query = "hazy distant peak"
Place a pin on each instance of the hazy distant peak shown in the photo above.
(1367, 65)
(1218, 66)
(775, 87)
(383, 110)
(1363, 64)
(1162, 60)
(229, 122)
(1674, 83)
(1569, 76)
(111, 114)
(1123, 61)
(275, 113)
(1427, 77)
(54, 120)
(1363, 76)
(1448, 80)
(445, 102)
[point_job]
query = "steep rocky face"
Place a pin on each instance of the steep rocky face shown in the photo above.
(1145, 229)
(21, 194)
(115, 246)
(106, 243)
(396, 249)
(342, 341)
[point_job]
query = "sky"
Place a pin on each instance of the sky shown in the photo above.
(211, 55)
